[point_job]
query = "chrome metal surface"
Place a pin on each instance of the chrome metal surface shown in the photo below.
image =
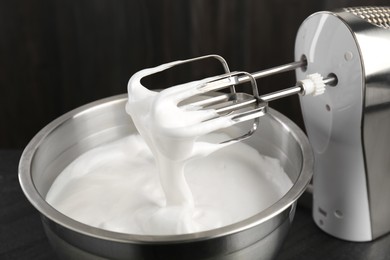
(376, 15)
(349, 125)
(297, 89)
(231, 106)
(276, 70)
(60, 142)
(244, 100)
(235, 79)
(238, 107)
(282, 93)
(374, 49)
(260, 74)
(235, 106)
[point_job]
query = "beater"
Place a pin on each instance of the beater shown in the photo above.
(234, 106)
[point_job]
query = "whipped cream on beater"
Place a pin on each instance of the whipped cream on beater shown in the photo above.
(172, 133)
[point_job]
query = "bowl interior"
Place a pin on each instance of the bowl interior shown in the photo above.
(92, 125)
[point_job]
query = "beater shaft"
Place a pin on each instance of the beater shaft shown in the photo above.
(297, 89)
(234, 80)
(244, 100)
(275, 70)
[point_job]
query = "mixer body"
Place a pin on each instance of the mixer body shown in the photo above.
(348, 126)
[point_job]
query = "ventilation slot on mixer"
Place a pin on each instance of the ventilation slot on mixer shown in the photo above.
(378, 16)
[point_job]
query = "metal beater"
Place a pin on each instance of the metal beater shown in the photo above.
(238, 106)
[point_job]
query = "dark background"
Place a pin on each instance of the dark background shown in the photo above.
(56, 55)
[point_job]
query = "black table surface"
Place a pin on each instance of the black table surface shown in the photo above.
(22, 235)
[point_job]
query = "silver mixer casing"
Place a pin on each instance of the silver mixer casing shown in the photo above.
(349, 126)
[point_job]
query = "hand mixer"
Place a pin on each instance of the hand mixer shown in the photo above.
(348, 126)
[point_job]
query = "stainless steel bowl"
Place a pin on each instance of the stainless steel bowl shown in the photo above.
(63, 140)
